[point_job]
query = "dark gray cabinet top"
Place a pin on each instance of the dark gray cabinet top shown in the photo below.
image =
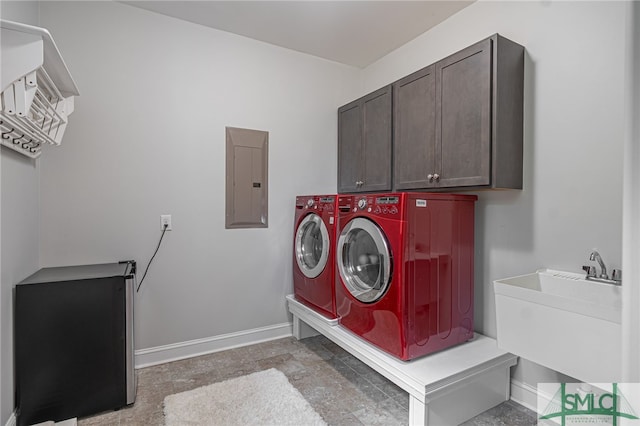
(80, 272)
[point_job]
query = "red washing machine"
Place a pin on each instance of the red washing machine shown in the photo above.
(313, 252)
(405, 263)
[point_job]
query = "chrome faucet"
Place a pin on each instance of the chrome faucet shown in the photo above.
(603, 269)
(616, 276)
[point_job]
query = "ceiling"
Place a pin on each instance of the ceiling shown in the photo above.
(356, 33)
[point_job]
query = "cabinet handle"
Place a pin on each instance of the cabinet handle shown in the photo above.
(436, 177)
(430, 177)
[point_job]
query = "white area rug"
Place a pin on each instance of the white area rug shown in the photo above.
(262, 398)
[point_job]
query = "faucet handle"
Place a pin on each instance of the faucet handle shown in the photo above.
(616, 275)
(590, 270)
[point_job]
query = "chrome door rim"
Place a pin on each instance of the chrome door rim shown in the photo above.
(311, 272)
(358, 288)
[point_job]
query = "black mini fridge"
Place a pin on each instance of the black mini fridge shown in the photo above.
(73, 334)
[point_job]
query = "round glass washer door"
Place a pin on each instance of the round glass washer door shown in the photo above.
(364, 260)
(312, 245)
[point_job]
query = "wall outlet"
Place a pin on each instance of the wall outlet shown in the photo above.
(165, 219)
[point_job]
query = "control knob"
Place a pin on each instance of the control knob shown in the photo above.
(362, 203)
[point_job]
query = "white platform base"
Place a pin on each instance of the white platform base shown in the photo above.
(445, 388)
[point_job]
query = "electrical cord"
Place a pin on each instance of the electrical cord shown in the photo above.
(154, 255)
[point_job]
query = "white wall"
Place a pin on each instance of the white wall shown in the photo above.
(573, 139)
(148, 138)
(19, 227)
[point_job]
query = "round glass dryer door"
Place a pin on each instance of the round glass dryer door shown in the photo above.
(312, 245)
(364, 260)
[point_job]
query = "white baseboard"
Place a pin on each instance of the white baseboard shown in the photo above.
(524, 394)
(12, 420)
(527, 395)
(176, 351)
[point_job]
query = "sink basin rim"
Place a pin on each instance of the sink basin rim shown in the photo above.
(565, 290)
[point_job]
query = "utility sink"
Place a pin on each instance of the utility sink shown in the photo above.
(563, 322)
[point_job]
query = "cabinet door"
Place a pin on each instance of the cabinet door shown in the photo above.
(376, 131)
(463, 117)
(414, 128)
(349, 147)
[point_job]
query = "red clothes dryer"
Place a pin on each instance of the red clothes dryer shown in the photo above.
(405, 263)
(313, 252)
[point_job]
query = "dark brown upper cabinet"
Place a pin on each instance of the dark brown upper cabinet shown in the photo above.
(458, 122)
(414, 132)
(364, 143)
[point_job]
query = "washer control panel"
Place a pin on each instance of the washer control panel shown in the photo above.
(316, 203)
(327, 203)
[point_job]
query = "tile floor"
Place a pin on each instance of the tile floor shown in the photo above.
(343, 390)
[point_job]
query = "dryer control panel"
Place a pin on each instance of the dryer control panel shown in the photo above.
(387, 205)
(384, 205)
